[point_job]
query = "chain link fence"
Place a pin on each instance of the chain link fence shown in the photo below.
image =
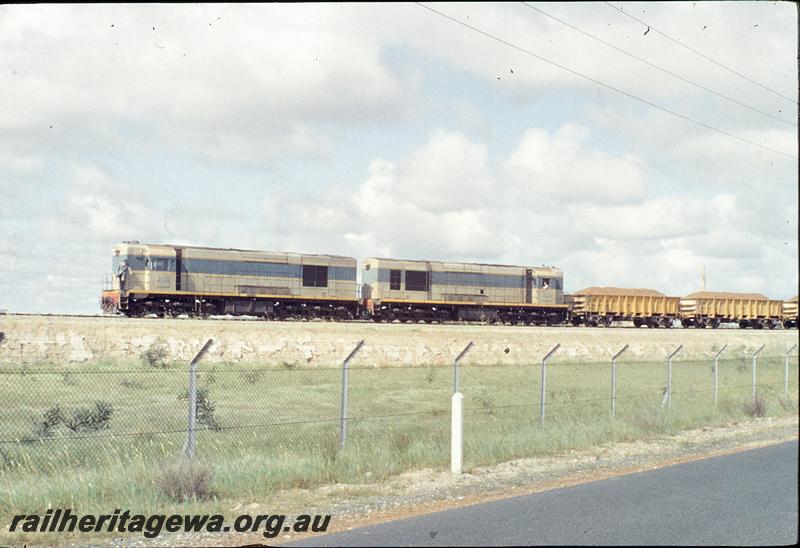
(297, 425)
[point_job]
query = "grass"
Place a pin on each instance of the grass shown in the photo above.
(279, 426)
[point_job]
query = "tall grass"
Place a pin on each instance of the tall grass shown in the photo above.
(279, 426)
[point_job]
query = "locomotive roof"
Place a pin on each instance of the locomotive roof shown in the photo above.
(459, 262)
(235, 249)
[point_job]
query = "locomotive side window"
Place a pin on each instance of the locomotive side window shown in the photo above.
(416, 280)
(315, 276)
(394, 280)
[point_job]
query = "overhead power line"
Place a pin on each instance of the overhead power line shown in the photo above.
(701, 54)
(645, 61)
(603, 84)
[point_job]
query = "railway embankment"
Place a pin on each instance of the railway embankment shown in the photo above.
(71, 339)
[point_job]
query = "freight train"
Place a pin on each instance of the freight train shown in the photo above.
(169, 280)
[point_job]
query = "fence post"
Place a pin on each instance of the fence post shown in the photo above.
(457, 433)
(668, 395)
(190, 443)
(786, 372)
(345, 391)
(755, 355)
(716, 371)
(614, 381)
(542, 392)
(456, 362)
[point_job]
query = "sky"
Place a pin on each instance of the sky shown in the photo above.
(389, 130)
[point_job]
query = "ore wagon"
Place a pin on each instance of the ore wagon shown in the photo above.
(704, 308)
(600, 306)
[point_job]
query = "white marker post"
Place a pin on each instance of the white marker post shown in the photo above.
(457, 433)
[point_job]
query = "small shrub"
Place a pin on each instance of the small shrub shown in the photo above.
(431, 375)
(755, 408)
(649, 420)
(68, 379)
(185, 481)
(82, 419)
(131, 383)
(156, 354)
(787, 404)
(329, 451)
(205, 408)
(251, 376)
(52, 418)
(401, 441)
(88, 419)
(485, 402)
(6, 461)
(288, 365)
(211, 376)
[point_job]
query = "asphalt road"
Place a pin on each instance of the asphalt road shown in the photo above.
(747, 498)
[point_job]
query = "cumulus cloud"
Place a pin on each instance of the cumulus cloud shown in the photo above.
(387, 130)
(560, 168)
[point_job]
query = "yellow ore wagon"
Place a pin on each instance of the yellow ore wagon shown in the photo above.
(599, 306)
(754, 310)
(789, 313)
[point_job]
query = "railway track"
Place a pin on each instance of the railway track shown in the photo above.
(615, 325)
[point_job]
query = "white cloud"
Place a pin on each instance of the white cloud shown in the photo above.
(559, 167)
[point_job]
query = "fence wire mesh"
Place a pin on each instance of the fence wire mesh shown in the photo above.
(397, 416)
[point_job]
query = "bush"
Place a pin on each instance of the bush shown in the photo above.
(205, 408)
(185, 480)
(649, 420)
(755, 408)
(82, 419)
(156, 353)
(87, 419)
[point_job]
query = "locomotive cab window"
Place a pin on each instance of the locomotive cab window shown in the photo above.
(545, 283)
(315, 276)
(394, 280)
(416, 280)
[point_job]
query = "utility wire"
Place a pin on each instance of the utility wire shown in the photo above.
(645, 61)
(603, 84)
(704, 56)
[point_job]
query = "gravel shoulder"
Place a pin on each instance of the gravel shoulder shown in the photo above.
(424, 491)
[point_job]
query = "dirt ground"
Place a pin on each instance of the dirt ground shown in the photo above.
(68, 339)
